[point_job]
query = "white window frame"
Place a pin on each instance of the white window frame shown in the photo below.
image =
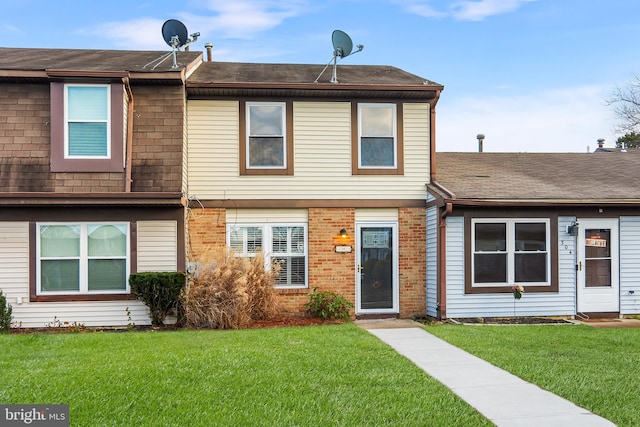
(283, 109)
(66, 121)
(394, 135)
(84, 260)
(511, 250)
(267, 242)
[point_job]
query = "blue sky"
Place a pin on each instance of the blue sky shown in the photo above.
(532, 75)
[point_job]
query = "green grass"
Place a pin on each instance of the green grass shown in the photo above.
(597, 369)
(335, 375)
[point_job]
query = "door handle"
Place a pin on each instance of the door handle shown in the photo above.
(360, 268)
(579, 265)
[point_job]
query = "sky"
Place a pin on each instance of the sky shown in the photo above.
(531, 75)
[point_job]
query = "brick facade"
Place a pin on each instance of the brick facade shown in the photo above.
(328, 270)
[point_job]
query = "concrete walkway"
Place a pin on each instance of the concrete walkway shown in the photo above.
(503, 398)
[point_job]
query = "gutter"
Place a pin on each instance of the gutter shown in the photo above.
(432, 137)
(129, 146)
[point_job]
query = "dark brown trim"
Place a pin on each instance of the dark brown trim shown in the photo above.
(91, 199)
(355, 142)
(309, 203)
(432, 138)
(115, 163)
(553, 255)
(87, 214)
(242, 149)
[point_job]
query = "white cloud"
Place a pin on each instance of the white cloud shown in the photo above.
(479, 10)
(464, 10)
(560, 120)
(143, 33)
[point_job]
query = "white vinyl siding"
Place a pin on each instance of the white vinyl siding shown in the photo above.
(461, 305)
(157, 246)
(629, 265)
(432, 261)
(14, 282)
(322, 156)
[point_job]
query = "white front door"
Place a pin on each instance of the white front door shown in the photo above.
(377, 268)
(598, 267)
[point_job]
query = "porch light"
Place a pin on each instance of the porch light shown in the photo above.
(343, 233)
(572, 229)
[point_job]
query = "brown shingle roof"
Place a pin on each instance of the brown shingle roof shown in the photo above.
(571, 177)
(291, 80)
(13, 61)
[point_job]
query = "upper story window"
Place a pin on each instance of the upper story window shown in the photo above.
(82, 258)
(510, 251)
(266, 138)
(87, 111)
(377, 144)
(88, 127)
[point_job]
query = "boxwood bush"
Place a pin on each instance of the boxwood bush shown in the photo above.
(160, 291)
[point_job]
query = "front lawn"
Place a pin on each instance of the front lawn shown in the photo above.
(597, 369)
(336, 375)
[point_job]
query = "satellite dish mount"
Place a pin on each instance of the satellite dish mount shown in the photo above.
(342, 47)
(175, 35)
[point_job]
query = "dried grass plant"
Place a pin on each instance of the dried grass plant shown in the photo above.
(227, 291)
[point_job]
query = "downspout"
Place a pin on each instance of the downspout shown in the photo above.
(442, 261)
(432, 138)
(129, 146)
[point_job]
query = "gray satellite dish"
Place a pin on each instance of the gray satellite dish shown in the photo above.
(174, 33)
(342, 44)
(342, 47)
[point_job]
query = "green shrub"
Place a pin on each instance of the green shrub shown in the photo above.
(159, 291)
(5, 314)
(328, 305)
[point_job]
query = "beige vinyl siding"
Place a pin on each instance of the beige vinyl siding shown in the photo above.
(14, 282)
(322, 156)
(267, 216)
(157, 245)
(14, 261)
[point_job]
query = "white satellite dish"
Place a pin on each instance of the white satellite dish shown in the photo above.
(342, 47)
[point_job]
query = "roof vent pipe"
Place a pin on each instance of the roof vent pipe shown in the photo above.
(600, 142)
(209, 46)
(480, 142)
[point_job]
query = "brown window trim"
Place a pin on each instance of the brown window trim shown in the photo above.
(553, 258)
(59, 163)
(243, 143)
(34, 297)
(355, 143)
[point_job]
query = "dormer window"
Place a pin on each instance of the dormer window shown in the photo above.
(88, 127)
(87, 113)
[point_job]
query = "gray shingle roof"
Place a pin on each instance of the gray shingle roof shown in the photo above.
(20, 59)
(571, 177)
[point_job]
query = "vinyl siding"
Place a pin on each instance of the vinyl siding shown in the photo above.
(322, 156)
(460, 305)
(629, 265)
(432, 261)
(14, 282)
(157, 245)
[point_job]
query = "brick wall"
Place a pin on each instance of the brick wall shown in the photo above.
(328, 270)
(412, 228)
